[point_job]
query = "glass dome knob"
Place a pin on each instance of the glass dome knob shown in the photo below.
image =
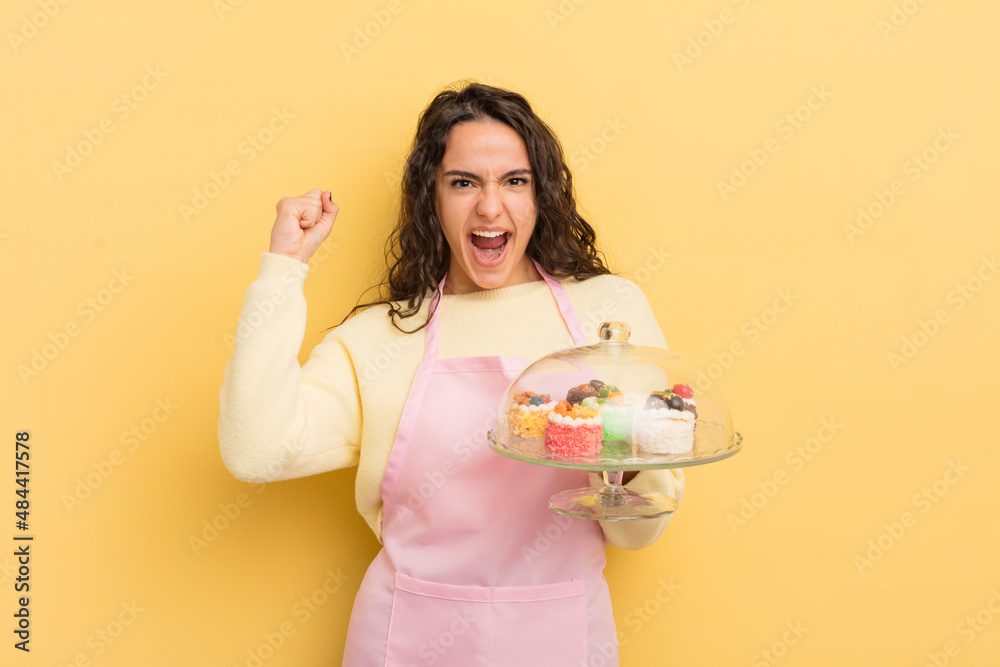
(615, 332)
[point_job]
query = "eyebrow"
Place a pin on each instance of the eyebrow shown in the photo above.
(476, 177)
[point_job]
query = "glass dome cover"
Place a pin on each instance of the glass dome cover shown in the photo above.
(611, 407)
(654, 409)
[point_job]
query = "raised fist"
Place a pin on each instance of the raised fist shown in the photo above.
(302, 224)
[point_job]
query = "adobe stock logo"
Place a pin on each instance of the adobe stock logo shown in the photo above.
(363, 35)
(712, 29)
(248, 149)
(228, 513)
(779, 648)
(787, 126)
(105, 467)
(923, 500)
(303, 610)
(968, 629)
(958, 297)
(122, 107)
(30, 25)
(914, 168)
(99, 641)
(223, 7)
(796, 458)
(901, 14)
(59, 340)
(752, 329)
(562, 12)
(544, 539)
(581, 158)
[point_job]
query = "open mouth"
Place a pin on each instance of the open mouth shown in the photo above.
(489, 248)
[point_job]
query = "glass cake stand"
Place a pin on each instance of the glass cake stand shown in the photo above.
(629, 375)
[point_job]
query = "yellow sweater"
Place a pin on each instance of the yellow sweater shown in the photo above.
(281, 421)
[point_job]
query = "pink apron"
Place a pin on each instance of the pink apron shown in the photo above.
(474, 568)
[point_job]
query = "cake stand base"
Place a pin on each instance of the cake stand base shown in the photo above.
(612, 502)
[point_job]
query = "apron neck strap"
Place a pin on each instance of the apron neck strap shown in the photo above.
(565, 306)
(431, 330)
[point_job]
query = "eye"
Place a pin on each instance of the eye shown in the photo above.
(517, 180)
(461, 183)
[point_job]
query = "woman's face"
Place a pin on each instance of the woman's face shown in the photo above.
(485, 201)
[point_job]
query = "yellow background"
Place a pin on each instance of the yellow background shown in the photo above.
(650, 186)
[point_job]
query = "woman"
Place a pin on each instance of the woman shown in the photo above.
(491, 266)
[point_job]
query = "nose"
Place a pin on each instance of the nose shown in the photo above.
(489, 205)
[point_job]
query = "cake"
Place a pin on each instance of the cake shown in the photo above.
(666, 423)
(529, 413)
(573, 430)
(617, 412)
(578, 394)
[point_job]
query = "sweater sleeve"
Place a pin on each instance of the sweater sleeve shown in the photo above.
(278, 420)
(641, 533)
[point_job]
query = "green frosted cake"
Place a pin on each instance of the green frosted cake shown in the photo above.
(617, 414)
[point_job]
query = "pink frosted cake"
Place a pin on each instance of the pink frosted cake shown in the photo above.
(573, 430)
(666, 423)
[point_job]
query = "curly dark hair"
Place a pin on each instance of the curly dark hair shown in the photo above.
(417, 254)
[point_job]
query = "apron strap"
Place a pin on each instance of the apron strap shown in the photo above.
(565, 306)
(418, 388)
(431, 330)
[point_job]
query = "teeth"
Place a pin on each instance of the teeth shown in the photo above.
(489, 235)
